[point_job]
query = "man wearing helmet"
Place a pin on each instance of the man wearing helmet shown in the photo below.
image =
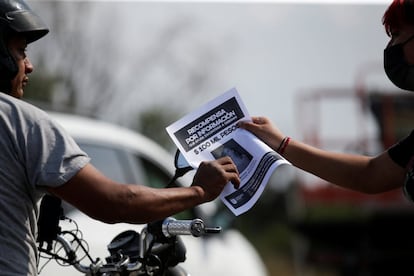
(38, 157)
(16, 18)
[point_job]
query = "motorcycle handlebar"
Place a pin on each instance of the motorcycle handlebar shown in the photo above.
(196, 227)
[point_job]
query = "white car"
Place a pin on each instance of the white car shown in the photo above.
(129, 157)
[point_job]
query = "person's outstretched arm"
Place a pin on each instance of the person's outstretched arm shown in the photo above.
(357, 172)
(106, 200)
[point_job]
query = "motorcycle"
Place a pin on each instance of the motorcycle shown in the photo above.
(157, 250)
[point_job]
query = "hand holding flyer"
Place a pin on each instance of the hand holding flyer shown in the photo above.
(211, 132)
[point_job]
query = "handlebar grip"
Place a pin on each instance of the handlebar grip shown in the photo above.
(172, 227)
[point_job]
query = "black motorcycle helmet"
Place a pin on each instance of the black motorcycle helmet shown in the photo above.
(16, 17)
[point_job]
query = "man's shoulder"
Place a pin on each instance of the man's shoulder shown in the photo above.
(13, 105)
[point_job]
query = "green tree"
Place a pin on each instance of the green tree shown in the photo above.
(152, 122)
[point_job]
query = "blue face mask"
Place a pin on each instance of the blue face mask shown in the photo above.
(398, 70)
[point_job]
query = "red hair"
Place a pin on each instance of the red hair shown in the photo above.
(400, 12)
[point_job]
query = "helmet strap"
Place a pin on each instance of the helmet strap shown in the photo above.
(5, 86)
(8, 66)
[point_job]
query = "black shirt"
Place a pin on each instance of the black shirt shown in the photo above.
(402, 153)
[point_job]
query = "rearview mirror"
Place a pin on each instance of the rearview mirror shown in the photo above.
(181, 168)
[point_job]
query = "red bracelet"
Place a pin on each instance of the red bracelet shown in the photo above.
(281, 144)
(282, 147)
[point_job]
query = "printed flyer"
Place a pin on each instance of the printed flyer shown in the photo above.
(211, 132)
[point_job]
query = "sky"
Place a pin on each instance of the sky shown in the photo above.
(273, 52)
(282, 51)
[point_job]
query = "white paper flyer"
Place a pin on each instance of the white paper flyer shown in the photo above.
(211, 132)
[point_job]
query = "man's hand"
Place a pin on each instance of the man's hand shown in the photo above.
(212, 176)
